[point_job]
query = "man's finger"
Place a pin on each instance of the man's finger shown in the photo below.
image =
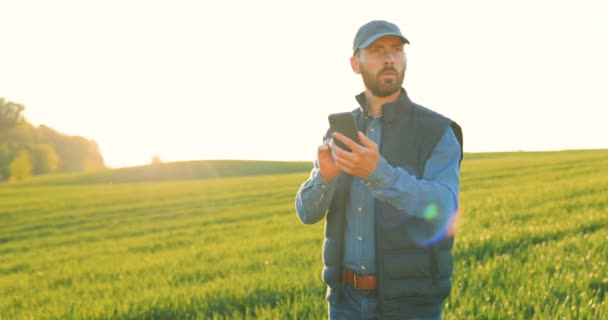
(365, 141)
(324, 146)
(337, 150)
(344, 165)
(347, 141)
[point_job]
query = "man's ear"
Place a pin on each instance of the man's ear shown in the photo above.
(354, 64)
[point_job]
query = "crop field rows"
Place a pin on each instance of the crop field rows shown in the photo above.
(531, 243)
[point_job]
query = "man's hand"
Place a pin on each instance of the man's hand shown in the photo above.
(363, 159)
(327, 164)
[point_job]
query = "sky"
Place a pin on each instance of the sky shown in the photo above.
(195, 80)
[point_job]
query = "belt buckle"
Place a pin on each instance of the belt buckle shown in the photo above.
(355, 280)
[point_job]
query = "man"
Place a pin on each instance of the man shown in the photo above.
(389, 202)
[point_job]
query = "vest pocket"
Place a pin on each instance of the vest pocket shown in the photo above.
(408, 277)
(407, 264)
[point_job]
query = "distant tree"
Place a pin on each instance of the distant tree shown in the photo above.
(156, 160)
(75, 153)
(48, 150)
(93, 158)
(44, 158)
(46, 134)
(71, 151)
(10, 116)
(22, 133)
(7, 153)
(21, 166)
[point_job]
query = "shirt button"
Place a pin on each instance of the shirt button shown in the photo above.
(359, 238)
(372, 129)
(362, 267)
(359, 209)
(367, 183)
(323, 186)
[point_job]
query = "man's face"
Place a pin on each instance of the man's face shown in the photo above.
(382, 65)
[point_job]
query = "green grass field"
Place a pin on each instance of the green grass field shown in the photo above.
(531, 243)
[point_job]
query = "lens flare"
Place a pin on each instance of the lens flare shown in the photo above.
(433, 226)
(430, 212)
(427, 228)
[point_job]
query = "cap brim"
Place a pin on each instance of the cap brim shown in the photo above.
(369, 41)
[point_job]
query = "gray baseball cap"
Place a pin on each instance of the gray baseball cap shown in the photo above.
(373, 30)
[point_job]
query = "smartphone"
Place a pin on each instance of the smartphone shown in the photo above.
(344, 122)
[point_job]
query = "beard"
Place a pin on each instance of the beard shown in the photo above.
(383, 87)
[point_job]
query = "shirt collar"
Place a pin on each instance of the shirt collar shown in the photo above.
(390, 110)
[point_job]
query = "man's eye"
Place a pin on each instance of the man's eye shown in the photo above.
(376, 51)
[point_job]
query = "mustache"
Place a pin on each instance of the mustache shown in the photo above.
(387, 69)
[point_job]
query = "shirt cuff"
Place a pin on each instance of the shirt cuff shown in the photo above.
(318, 181)
(381, 176)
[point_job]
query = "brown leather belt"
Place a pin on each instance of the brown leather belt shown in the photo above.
(358, 281)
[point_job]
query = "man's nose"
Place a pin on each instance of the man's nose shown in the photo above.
(389, 57)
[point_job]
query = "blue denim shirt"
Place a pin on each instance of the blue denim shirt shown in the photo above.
(440, 183)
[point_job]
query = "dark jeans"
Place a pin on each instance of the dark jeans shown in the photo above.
(358, 304)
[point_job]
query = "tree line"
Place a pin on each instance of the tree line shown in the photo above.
(26, 150)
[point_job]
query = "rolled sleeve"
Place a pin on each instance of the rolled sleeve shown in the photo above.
(439, 184)
(314, 197)
(382, 175)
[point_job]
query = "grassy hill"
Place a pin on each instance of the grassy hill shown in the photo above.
(182, 170)
(531, 243)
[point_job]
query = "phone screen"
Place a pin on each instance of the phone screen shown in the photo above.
(344, 122)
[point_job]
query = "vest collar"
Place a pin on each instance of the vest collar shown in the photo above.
(390, 110)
